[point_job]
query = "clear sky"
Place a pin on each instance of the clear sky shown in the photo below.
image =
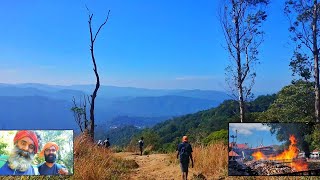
(163, 44)
(252, 133)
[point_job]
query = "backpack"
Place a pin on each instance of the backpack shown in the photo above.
(4, 159)
(184, 154)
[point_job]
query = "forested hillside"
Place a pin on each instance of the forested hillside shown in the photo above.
(197, 126)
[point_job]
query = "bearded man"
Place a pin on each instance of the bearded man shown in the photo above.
(20, 159)
(50, 167)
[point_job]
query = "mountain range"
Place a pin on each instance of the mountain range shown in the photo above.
(42, 106)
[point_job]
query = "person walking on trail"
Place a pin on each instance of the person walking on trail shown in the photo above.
(185, 154)
(141, 145)
(107, 143)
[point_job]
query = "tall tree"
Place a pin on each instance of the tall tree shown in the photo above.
(303, 17)
(93, 37)
(241, 22)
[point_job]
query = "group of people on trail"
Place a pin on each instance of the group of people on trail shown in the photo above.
(19, 161)
(105, 143)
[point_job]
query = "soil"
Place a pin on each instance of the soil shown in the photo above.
(155, 166)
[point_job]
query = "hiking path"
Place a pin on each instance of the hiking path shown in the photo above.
(154, 166)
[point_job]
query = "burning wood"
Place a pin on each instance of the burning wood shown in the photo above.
(289, 154)
(267, 167)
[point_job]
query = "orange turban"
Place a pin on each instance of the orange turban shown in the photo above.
(185, 139)
(26, 133)
(48, 145)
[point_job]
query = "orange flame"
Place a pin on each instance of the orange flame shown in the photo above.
(290, 153)
(287, 154)
(299, 166)
(259, 156)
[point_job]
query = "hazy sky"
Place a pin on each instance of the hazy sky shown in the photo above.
(151, 44)
(253, 134)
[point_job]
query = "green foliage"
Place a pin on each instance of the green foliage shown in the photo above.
(119, 136)
(151, 140)
(6, 142)
(168, 147)
(199, 125)
(216, 136)
(315, 137)
(294, 103)
(300, 65)
(167, 135)
(146, 152)
(261, 103)
(3, 147)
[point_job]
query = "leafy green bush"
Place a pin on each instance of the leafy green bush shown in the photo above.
(216, 136)
(146, 152)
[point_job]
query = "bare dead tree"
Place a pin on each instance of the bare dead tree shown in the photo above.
(80, 113)
(93, 37)
(241, 22)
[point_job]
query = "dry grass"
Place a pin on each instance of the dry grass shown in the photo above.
(212, 160)
(92, 162)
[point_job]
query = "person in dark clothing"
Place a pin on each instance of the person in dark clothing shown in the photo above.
(107, 143)
(141, 143)
(185, 154)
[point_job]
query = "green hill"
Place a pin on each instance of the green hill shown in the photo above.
(200, 125)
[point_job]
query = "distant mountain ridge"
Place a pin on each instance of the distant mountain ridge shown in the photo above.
(41, 103)
(114, 91)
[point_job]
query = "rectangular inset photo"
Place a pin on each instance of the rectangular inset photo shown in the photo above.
(36, 152)
(273, 149)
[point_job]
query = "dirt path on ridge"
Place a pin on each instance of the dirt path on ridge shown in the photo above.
(154, 166)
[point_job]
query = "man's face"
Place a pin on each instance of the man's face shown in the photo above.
(22, 154)
(26, 144)
(50, 154)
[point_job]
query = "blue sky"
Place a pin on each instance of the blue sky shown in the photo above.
(151, 44)
(252, 133)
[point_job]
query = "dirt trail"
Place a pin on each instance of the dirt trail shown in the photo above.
(154, 166)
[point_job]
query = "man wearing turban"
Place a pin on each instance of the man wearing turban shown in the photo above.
(184, 154)
(22, 155)
(50, 167)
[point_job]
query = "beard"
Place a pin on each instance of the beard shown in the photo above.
(20, 160)
(50, 158)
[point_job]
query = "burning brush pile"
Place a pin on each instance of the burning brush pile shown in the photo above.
(284, 163)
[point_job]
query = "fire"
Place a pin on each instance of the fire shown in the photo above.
(288, 154)
(259, 156)
(299, 166)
